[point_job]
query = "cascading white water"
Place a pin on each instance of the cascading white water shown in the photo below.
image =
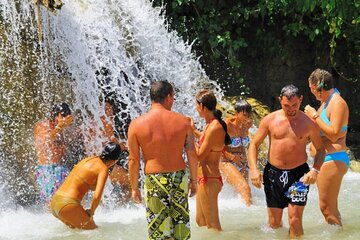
(94, 48)
(90, 50)
(128, 41)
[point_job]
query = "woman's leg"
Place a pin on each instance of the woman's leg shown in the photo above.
(200, 194)
(328, 183)
(209, 203)
(75, 216)
(232, 175)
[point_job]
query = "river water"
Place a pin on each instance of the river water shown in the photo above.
(238, 221)
(123, 45)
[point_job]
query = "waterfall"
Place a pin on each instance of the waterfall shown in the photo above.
(91, 50)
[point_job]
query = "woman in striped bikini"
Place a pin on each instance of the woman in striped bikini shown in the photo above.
(233, 166)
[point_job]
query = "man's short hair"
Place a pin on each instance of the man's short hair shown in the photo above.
(290, 91)
(159, 90)
(61, 108)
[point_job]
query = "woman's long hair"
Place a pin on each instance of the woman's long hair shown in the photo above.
(208, 99)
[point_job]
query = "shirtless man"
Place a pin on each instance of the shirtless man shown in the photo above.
(50, 150)
(289, 130)
(162, 136)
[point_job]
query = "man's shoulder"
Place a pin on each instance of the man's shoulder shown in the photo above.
(271, 116)
(180, 116)
(139, 119)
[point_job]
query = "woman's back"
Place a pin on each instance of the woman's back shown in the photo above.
(82, 178)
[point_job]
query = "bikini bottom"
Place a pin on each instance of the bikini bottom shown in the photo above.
(58, 202)
(338, 156)
(203, 179)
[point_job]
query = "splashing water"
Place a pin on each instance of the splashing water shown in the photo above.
(92, 50)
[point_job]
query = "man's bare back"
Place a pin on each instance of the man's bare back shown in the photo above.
(161, 134)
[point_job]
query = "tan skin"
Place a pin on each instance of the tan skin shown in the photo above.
(332, 172)
(209, 153)
(47, 133)
(288, 130)
(238, 126)
(89, 174)
(161, 135)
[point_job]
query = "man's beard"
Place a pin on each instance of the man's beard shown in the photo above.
(291, 114)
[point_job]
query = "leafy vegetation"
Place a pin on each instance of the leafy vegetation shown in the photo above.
(227, 32)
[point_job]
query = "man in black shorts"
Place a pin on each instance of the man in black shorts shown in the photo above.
(289, 130)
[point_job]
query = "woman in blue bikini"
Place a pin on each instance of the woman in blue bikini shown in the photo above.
(332, 119)
(233, 164)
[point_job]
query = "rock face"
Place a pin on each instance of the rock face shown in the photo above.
(51, 5)
(355, 166)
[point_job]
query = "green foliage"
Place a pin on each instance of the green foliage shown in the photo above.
(225, 30)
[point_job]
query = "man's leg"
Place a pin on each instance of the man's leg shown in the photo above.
(275, 215)
(295, 214)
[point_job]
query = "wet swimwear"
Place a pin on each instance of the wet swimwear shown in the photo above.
(338, 156)
(239, 142)
(277, 183)
(232, 148)
(81, 179)
(167, 208)
(201, 139)
(58, 202)
(202, 180)
(323, 115)
(49, 178)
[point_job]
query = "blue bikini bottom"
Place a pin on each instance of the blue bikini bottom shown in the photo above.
(338, 156)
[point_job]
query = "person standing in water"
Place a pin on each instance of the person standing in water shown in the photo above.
(50, 149)
(119, 172)
(289, 130)
(89, 174)
(332, 118)
(162, 135)
(233, 165)
(209, 150)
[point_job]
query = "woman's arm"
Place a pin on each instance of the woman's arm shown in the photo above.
(213, 133)
(100, 184)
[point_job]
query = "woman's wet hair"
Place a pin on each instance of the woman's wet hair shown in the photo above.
(290, 91)
(160, 90)
(208, 100)
(242, 106)
(62, 108)
(322, 79)
(111, 151)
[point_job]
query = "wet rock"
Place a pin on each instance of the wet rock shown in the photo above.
(51, 5)
(355, 166)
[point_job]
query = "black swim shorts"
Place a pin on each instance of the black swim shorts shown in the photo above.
(278, 181)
